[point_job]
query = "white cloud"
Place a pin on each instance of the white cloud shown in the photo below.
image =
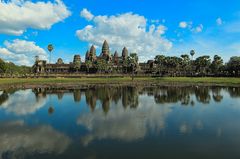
(198, 29)
(183, 25)
(86, 14)
(21, 52)
(18, 15)
(219, 21)
(130, 30)
(189, 25)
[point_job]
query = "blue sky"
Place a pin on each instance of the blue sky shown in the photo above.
(148, 27)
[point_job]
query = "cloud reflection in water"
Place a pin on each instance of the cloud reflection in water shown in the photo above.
(125, 124)
(19, 140)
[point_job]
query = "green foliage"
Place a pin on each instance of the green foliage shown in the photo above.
(88, 64)
(11, 68)
(202, 64)
(50, 47)
(2, 66)
(216, 65)
(103, 66)
(233, 65)
(192, 53)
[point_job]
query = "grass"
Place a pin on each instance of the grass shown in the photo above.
(117, 80)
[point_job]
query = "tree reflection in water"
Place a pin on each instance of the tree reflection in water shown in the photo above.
(120, 114)
(50, 110)
(129, 96)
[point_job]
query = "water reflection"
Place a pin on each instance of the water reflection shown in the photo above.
(124, 124)
(19, 140)
(85, 121)
(23, 102)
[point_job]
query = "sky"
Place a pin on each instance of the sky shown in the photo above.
(145, 27)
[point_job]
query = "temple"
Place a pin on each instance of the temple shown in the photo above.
(104, 63)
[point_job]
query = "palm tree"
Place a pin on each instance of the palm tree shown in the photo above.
(50, 49)
(192, 53)
(216, 65)
(202, 64)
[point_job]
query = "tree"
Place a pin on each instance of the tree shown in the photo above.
(133, 63)
(88, 65)
(172, 63)
(216, 64)
(50, 49)
(202, 64)
(2, 66)
(103, 65)
(233, 66)
(159, 60)
(192, 53)
(185, 63)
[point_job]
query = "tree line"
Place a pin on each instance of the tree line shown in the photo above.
(201, 66)
(12, 69)
(162, 65)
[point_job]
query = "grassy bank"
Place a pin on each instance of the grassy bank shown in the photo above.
(145, 80)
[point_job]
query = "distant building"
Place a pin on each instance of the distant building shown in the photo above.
(116, 63)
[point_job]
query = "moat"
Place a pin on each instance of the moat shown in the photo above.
(102, 122)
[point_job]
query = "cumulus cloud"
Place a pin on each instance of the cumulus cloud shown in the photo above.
(23, 103)
(21, 52)
(18, 139)
(86, 14)
(18, 15)
(127, 126)
(128, 29)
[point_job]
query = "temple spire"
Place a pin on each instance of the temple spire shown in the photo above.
(105, 48)
(124, 53)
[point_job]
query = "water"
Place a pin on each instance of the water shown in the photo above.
(120, 122)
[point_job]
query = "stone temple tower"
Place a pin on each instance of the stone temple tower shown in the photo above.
(77, 59)
(105, 49)
(92, 53)
(124, 53)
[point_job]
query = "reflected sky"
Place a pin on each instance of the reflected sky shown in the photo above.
(120, 122)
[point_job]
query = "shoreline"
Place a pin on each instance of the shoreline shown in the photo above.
(126, 81)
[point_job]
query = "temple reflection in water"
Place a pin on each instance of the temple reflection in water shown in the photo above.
(129, 95)
(88, 121)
